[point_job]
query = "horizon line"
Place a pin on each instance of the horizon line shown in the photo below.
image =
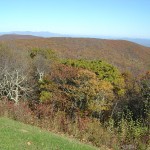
(74, 35)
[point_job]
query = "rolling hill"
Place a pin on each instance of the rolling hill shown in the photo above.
(127, 56)
(144, 42)
(16, 36)
(46, 34)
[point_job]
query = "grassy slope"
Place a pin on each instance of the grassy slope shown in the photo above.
(18, 136)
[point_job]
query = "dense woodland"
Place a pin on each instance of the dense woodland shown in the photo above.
(125, 55)
(84, 97)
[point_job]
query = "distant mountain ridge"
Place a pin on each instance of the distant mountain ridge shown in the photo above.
(144, 42)
(45, 34)
(40, 34)
(16, 36)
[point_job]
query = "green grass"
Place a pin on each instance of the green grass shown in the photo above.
(18, 136)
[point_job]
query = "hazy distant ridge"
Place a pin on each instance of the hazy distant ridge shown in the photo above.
(144, 42)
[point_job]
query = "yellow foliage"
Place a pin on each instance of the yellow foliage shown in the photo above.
(99, 93)
(86, 74)
(105, 85)
(45, 96)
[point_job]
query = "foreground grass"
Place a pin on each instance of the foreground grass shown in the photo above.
(18, 136)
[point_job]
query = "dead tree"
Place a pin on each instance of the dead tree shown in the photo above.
(14, 71)
(42, 66)
(13, 85)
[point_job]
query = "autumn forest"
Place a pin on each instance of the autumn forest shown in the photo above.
(97, 91)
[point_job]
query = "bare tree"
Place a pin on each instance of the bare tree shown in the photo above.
(13, 85)
(42, 66)
(14, 74)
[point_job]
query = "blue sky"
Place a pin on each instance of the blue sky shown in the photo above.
(118, 18)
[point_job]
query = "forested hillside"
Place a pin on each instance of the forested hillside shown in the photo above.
(67, 86)
(125, 55)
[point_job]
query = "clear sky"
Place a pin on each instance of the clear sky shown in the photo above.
(119, 18)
